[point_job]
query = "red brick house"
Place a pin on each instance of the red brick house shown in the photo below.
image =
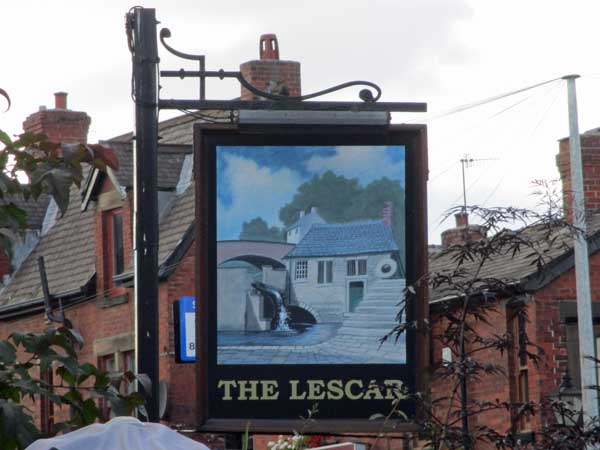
(549, 294)
(88, 256)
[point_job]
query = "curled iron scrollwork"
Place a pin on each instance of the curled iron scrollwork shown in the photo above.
(370, 94)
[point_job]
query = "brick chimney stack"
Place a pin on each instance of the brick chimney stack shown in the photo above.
(269, 73)
(59, 124)
(590, 158)
(463, 232)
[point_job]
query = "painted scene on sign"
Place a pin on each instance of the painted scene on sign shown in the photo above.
(310, 254)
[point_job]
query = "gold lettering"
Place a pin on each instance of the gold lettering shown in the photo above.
(335, 390)
(393, 389)
(315, 390)
(269, 390)
(251, 389)
(294, 387)
(348, 389)
(373, 392)
(227, 385)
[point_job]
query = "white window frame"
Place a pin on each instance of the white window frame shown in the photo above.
(301, 274)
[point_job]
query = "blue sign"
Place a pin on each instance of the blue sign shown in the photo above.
(187, 329)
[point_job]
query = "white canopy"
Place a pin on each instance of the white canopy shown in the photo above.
(121, 433)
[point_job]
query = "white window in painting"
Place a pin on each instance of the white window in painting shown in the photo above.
(325, 272)
(356, 267)
(301, 270)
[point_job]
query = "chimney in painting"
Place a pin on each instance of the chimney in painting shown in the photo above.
(387, 213)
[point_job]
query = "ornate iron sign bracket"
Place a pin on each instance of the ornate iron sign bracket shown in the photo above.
(369, 95)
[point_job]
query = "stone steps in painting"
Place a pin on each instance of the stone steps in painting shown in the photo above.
(375, 316)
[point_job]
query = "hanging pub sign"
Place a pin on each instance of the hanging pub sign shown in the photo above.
(306, 238)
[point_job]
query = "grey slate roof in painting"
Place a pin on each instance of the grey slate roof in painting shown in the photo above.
(520, 268)
(342, 239)
(169, 164)
(69, 254)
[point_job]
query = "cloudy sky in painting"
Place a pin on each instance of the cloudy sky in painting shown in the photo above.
(257, 181)
(446, 53)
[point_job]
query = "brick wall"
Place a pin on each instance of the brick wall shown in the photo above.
(550, 327)
(590, 158)
(489, 387)
(181, 377)
(269, 73)
(5, 265)
(104, 240)
(59, 124)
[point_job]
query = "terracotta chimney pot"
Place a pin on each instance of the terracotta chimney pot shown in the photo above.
(60, 100)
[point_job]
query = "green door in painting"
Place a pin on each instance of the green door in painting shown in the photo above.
(357, 290)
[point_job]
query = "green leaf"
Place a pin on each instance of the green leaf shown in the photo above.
(8, 354)
(16, 214)
(57, 182)
(66, 375)
(5, 139)
(28, 139)
(90, 412)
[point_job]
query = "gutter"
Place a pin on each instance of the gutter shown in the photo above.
(36, 306)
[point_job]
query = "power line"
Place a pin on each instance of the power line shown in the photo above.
(530, 134)
(558, 82)
(484, 101)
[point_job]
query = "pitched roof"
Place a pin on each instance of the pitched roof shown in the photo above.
(179, 130)
(553, 245)
(341, 239)
(176, 224)
(35, 209)
(69, 255)
(69, 247)
(170, 160)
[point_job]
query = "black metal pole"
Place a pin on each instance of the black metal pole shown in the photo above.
(145, 202)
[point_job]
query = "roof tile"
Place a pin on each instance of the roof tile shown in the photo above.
(340, 239)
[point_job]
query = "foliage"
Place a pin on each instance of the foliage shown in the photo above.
(339, 199)
(329, 192)
(294, 442)
(258, 230)
(463, 324)
(76, 387)
(48, 167)
(299, 440)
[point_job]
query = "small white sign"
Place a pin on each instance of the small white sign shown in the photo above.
(190, 335)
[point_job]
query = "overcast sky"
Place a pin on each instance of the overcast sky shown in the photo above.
(445, 53)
